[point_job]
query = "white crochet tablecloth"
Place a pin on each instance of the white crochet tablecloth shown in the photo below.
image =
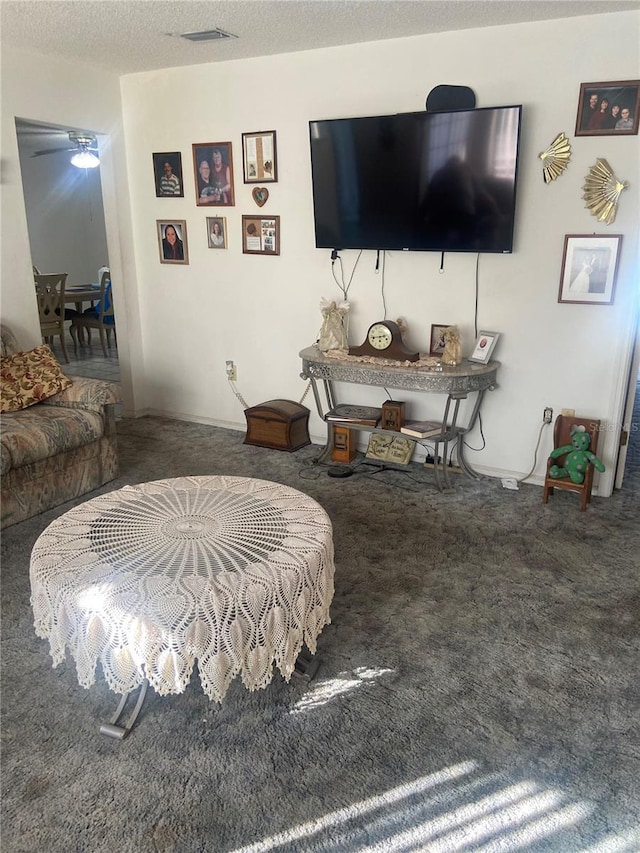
(233, 572)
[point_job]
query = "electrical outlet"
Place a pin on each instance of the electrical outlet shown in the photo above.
(232, 371)
(547, 415)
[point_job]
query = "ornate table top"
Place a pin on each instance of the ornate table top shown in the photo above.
(465, 377)
(233, 572)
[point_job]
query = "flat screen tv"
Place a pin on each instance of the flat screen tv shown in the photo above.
(431, 182)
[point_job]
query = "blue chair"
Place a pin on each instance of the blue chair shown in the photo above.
(100, 317)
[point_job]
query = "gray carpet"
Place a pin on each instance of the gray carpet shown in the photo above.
(478, 688)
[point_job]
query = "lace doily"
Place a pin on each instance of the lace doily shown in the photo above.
(235, 573)
(343, 354)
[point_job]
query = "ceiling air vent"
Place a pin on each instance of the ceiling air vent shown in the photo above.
(208, 35)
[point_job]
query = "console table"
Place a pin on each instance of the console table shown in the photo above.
(456, 382)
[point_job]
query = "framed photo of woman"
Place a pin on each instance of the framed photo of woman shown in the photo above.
(213, 173)
(217, 232)
(172, 241)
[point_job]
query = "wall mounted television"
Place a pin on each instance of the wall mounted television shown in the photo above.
(431, 182)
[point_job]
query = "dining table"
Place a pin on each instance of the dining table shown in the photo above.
(79, 293)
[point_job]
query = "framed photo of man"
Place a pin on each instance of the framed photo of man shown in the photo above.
(213, 172)
(167, 172)
(608, 109)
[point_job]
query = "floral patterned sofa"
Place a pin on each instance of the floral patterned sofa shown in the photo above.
(54, 448)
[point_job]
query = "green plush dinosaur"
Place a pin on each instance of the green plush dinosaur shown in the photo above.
(578, 457)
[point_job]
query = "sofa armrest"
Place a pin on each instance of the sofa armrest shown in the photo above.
(91, 394)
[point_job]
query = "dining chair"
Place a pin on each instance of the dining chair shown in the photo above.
(100, 317)
(50, 297)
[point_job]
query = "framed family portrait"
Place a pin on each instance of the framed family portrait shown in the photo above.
(436, 346)
(484, 347)
(213, 172)
(172, 241)
(217, 232)
(589, 268)
(259, 158)
(167, 172)
(261, 235)
(608, 109)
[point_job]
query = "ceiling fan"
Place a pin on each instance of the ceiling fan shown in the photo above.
(86, 150)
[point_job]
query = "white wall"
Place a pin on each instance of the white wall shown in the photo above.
(182, 322)
(260, 311)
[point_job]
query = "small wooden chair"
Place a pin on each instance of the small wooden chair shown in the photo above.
(50, 296)
(562, 436)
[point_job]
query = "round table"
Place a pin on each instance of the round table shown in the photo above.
(233, 572)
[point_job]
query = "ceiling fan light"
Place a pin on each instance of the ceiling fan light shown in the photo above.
(85, 160)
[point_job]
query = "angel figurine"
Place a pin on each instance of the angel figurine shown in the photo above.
(335, 325)
(452, 353)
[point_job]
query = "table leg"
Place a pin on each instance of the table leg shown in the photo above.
(306, 666)
(112, 729)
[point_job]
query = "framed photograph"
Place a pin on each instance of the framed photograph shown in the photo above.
(167, 171)
(608, 109)
(259, 158)
(261, 235)
(436, 346)
(213, 172)
(217, 232)
(589, 268)
(485, 345)
(172, 241)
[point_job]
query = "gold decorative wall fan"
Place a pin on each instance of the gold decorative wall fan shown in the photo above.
(556, 158)
(602, 190)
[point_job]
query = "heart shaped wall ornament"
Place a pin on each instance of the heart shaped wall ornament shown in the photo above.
(260, 195)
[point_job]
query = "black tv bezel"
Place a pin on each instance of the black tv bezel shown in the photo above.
(382, 248)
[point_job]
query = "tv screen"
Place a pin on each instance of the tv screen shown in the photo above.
(441, 181)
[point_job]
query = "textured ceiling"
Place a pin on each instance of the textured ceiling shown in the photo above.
(126, 36)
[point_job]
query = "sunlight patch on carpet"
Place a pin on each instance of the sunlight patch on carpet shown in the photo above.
(324, 691)
(449, 810)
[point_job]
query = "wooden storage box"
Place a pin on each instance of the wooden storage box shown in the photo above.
(278, 424)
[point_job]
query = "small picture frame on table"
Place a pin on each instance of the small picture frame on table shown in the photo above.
(217, 232)
(213, 173)
(608, 109)
(261, 235)
(484, 347)
(172, 241)
(436, 346)
(589, 268)
(167, 172)
(259, 157)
